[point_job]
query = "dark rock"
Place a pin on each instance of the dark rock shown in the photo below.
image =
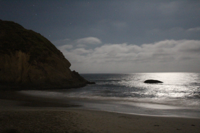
(89, 82)
(152, 81)
(30, 61)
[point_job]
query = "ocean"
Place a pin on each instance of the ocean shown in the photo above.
(177, 96)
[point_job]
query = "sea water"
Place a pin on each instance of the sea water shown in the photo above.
(178, 95)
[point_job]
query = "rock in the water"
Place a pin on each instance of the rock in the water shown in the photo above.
(152, 81)
(30, 61)
(89, 82)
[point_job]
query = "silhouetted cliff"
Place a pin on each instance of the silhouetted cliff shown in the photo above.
(30, 61)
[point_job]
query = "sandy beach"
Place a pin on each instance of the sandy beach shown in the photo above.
(22, 114)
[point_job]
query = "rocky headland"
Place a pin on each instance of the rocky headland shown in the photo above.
(152, 81)
(30, 61)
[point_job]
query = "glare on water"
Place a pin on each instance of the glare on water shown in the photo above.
(177, 88)
(128, 93)
(175, 85)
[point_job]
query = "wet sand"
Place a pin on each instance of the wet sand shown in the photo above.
(20, 113)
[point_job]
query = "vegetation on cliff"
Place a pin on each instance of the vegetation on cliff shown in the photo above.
(14, 38)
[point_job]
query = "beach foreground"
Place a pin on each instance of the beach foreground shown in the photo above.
(85, 121)
(16, 117)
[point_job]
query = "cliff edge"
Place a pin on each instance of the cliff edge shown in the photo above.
(30, 61)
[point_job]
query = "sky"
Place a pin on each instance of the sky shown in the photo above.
(116, 36)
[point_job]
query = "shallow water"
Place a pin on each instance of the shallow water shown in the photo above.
(178, 95)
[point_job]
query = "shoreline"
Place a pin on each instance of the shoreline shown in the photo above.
(31, 114)
(24, 100)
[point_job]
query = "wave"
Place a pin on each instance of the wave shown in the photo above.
(90, 96)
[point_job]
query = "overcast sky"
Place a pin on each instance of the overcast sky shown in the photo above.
(116, 36)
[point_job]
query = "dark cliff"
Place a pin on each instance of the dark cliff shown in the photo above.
(30, 61)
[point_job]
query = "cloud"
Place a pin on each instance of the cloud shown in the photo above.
(78, 43)
(175, 33)
(81, 51)
(166, 55)
(196, 29)
(88, 41)
(66, 47)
